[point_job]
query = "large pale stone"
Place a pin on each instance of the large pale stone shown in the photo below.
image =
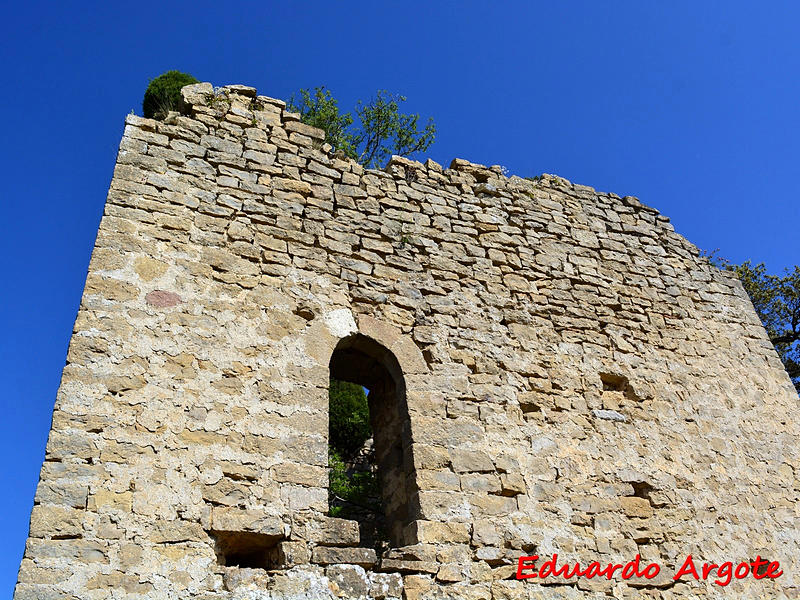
(325, 555)
(149, 268)
(235, 519)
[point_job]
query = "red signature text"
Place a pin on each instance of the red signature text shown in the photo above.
(721, 574)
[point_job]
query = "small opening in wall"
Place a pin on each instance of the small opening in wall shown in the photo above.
(428, 356)
(371, 465)
(613, 383)
(642, 489)
(617, 390)
(762, 566)
(245, 549)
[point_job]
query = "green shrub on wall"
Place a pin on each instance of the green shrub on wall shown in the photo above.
(164, 94)
(381, 129)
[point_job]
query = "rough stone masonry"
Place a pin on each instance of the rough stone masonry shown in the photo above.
(551, 368)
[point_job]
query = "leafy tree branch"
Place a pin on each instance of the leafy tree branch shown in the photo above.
(319, 109)
(379, 131)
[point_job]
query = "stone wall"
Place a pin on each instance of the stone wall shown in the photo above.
(558, 369)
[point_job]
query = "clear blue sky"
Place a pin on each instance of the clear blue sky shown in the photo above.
(691, 106)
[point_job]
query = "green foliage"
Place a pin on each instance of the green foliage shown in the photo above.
(381, 130)
(319, 109)
(385, 130)
(777, 303)
(348, 492)
(349, 418)
(164, 94)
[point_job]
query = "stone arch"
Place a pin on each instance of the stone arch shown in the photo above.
(360, 359)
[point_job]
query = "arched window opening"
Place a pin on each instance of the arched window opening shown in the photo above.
(371, 466)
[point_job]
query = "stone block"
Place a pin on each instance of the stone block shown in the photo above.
(430, 457)
(107, 499)
(307, 475)
(53, 521)
(421, 552)
(65, 445)
(63, 493)
(634, 506)
(302, 498)
(327, 531)
(418, 587)
(409, 566)
(451, 573)
(197, 93)
(485, 533)
(431, 532)
(302, 128)
(471, 461)
(348, 581)
(176, 531)
(289, 554)
(512, 484)
(329, 555)
(238, 519)
(489, 505)
(383, 586)
(72, 550)
(30, 572)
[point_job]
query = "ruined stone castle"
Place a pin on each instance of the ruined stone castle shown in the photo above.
(551, 369)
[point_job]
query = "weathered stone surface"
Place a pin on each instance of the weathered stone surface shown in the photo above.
(326, 555)
(56, 521)
(290, 554)
(409, 566)
(327, 531)
(176, 531)
(471, 460)
(63, 493)
(554, 368)
(383, 586)
(432, 532)
(348, 581)
(636, 507)
(235, 519)
(148, 268)
(196, 94)
(162, 299)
